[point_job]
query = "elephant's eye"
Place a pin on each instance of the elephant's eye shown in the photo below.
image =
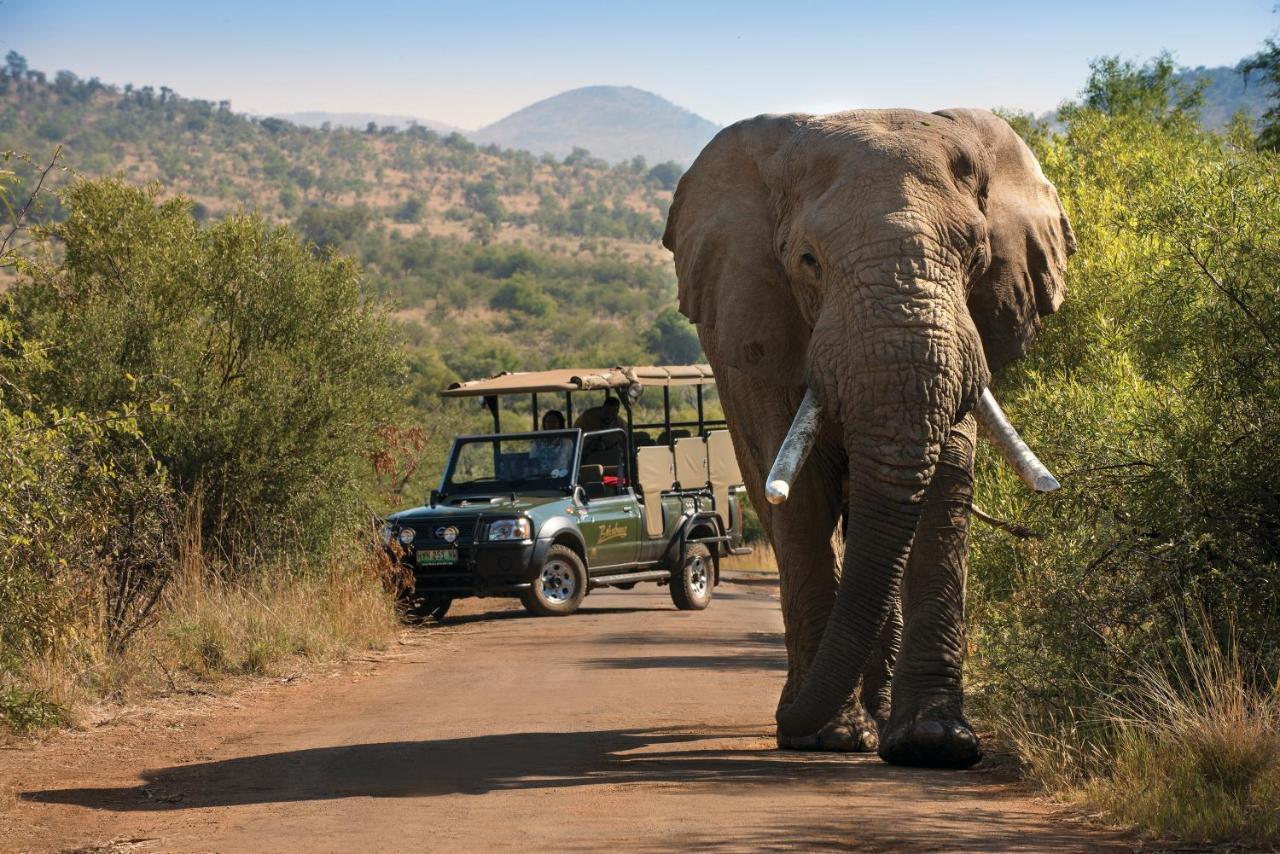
(809, 261)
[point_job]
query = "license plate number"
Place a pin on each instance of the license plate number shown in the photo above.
(430, 557)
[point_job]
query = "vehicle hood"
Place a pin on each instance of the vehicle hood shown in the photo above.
(497, 505)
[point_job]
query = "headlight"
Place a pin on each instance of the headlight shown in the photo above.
(510, 529)
(407, 535)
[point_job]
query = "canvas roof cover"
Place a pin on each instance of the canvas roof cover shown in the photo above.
(582, 379)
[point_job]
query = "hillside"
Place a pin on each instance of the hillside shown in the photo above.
(1226, 93)
(494, 259)
(615, 123)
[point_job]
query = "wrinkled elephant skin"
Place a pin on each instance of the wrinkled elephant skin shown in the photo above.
(886, 261)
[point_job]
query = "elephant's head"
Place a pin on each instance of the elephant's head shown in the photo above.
(889, 261)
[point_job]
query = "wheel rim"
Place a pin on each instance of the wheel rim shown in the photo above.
(559, 584)
(698, 576)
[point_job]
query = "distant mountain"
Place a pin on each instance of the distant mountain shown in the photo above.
(612, 122)
(316, 118)
(1227, 94)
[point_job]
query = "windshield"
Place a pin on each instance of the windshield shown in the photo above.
(525, 461)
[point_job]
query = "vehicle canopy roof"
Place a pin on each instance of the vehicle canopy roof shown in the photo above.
(582, 379)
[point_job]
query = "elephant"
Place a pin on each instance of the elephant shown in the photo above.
(868, 271)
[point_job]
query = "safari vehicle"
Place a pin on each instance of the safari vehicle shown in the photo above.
(550, 515)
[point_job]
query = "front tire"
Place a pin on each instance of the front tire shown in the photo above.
(561, 583)
(691, 587)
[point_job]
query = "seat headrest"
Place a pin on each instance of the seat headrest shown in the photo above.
(591, 474)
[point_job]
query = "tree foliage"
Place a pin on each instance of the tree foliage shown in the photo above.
(1266, 65)
(1156, 395)
(671, 340)
(272, 369)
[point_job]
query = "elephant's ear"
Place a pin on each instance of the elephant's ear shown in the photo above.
(1031, 240)
(721, 230)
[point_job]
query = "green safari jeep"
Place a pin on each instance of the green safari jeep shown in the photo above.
(548, 516)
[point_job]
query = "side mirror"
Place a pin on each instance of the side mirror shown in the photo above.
(580, 496)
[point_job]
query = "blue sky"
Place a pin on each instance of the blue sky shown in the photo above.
(469, 64)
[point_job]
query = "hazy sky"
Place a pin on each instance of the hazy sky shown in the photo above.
(472, 63)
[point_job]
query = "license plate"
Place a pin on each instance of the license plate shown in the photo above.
(429, 557)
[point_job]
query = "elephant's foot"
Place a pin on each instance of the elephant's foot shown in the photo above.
(941, 741)
(849, 732)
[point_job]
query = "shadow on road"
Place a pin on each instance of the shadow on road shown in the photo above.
(540, 760)
(518, 613)
(475, 765)
(733, 660)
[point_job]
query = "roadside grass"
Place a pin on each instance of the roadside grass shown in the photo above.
(206, 630)
(762, 560)
(214, 627)
(1191, 753)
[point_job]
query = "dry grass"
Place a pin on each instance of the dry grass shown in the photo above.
(762, 561)
(212, 628)
(208, 629)
(1191, 753)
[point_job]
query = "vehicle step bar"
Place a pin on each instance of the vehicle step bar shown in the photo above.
(649, 575)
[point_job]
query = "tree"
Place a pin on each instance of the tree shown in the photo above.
(482, 197)
(326, 227)
(1266, 64)
(410, 211)
(671, 340)
(523, 295)
(665, 175)
(1119, 87)
(275, 367)
(15, 64)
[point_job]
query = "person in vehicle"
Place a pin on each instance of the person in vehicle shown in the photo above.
(552, 455)
(601, 417)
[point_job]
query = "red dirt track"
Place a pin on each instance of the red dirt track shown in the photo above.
(628, 727)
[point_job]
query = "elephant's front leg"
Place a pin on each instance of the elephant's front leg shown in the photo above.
(927, 725)
(802, 531)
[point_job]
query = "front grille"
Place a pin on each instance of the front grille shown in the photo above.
(428, 538)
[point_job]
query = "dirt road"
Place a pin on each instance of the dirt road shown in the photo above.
(629, 727)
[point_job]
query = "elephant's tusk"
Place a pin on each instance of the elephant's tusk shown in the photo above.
(1010, 445)
(795, 449)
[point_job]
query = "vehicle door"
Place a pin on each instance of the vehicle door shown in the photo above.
(611, 528)
(610, 521)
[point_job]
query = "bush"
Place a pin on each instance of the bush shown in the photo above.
(1155, 394)
(274, 367)
(332, 227)
(523, 296)
(178, 396)
(671, 340)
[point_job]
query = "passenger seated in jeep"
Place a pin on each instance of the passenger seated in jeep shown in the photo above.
(601, 417)
(552, 454)
(607, 449)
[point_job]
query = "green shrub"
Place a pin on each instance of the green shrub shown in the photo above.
(274, 367)
(1155, 394)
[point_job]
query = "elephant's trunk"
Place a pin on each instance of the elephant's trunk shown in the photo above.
(899, 366)
(878, 541)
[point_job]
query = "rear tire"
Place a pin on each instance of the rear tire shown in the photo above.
(561, 583)
(691, 586)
